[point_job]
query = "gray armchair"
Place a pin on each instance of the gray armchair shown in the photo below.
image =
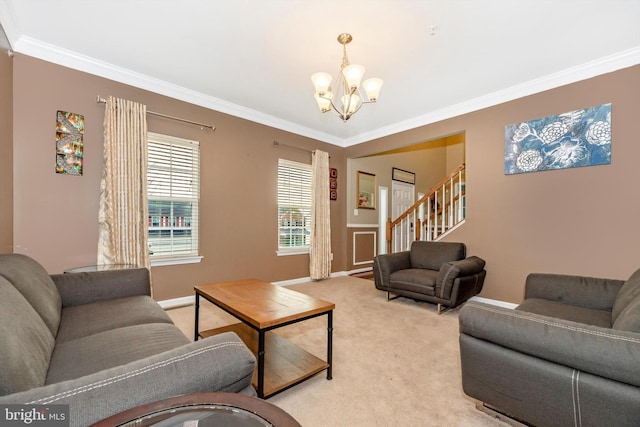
(436, 272)
(568, 355)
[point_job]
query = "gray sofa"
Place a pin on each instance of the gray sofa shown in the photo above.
(436, 272)
(99, 343)
(569, 355)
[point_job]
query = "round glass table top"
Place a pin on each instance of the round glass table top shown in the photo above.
(200, 415)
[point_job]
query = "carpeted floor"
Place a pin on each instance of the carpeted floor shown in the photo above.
(395, 363)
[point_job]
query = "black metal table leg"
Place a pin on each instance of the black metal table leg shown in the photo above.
(329, 342)
(260, 364)
(195, 338)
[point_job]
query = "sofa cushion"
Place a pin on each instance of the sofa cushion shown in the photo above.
(629, 319)
(629, 292)
(35, 284)
(108, 349)
(416, 280)
(431, 255)
(88, 319)
(25, 343)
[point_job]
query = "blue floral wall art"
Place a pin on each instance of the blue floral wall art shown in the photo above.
(569, 140)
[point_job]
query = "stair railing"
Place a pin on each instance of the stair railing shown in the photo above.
(434, 215)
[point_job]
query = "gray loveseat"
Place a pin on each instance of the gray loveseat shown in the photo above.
(569, 355)
(436, 272)
(99, 343)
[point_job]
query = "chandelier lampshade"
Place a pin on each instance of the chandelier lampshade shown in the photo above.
(322, 82)
(353, 75)
(347, 87)
(372, 88)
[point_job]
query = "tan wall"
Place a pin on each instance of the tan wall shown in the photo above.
(6, 147)
(455, 153)
(56, 215)
(574, 221)
(567, 221)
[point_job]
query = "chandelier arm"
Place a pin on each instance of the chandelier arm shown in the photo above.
(333, 106)
(357, 109)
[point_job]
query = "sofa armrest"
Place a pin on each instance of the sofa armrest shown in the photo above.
(219, 363)
(85, 288)
(452, 270)
(385, 264)
(600, 351)
(588, 292)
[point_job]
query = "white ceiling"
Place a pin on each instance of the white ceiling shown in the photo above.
(254, 58)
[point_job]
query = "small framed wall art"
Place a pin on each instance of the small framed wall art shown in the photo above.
(366, 190)
(403, 176)
(69, 143)
(333, 184)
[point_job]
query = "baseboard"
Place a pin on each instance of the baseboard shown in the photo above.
(177, 302)
(360, 270)
(190, 300)
(499, 303)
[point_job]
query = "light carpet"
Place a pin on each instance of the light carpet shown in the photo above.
(395, 363)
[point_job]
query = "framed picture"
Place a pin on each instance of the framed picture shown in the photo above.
(69, 143)
(366, 190)
(569, 140)
(403, 176)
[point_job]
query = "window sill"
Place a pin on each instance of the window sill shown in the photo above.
(157, 262)
(286, 252)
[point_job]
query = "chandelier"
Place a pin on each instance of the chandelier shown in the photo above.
(347, 88)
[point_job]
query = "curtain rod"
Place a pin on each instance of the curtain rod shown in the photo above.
(100, 100)
(278, 144)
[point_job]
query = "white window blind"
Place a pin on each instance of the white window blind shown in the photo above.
(173, 186)
(294, 205)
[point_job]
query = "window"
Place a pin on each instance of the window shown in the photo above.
(294, 207)
(173, 186)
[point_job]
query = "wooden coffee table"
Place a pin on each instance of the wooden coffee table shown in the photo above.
(262, 307)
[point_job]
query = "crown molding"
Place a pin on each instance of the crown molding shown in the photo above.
(66, 58)
(607, 64)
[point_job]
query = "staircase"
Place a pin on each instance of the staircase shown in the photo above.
(437, 213)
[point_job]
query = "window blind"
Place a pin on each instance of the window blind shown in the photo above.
(173, 186)
(294, 204)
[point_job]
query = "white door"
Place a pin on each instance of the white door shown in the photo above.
(402, 197)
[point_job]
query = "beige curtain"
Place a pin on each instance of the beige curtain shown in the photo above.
(320, 252)
(123, 215)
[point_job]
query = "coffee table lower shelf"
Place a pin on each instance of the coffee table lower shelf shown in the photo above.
(285, 364)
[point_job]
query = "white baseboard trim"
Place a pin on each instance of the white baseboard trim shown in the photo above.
(292, 281)
(190, 300)
(360, 270)
(504, 304)
(306, 279)
(177, 302)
